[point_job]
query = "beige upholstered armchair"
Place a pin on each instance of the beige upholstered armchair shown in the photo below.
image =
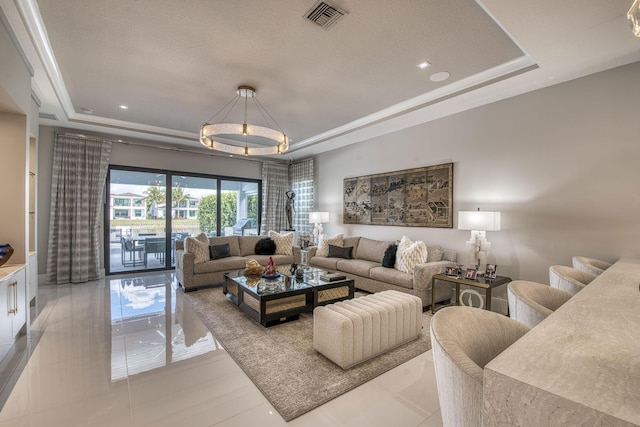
(569, 279)
(590, 265)
(530, 302)
(464, 340)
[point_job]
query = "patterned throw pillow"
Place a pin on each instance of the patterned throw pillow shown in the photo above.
(410, 254)
(198, 248)
(202, 238)
(284, 242)
(323, 248)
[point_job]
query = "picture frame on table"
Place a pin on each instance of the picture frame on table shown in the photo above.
(451, 271)
(491, 271)
(471, 274)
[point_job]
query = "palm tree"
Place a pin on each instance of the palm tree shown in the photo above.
(154, 195)
(178, 195)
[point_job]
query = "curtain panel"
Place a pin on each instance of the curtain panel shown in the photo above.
(77, 190)
(275, 184)
(301, 179)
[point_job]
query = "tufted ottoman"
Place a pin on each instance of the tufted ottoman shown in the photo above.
(352, 331)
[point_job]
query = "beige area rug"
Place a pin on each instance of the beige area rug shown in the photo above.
(281, 361)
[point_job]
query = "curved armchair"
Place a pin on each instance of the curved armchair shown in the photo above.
(530, 302)
(464, 340)
(569, 279)
(590, 265)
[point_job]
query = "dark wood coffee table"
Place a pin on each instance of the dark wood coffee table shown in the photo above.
(270, 302)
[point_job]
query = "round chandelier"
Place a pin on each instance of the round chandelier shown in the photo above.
(211, 132)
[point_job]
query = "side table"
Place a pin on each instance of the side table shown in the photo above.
(480, 282)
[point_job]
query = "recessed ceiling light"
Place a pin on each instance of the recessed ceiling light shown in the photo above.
(423, 65)
(439, 77)
(123, 107)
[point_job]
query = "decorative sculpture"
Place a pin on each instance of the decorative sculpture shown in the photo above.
(290, 208)
(271, 268)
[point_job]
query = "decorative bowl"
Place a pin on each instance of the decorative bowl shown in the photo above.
(5, 253)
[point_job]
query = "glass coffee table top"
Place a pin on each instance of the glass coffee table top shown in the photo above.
(285, 282)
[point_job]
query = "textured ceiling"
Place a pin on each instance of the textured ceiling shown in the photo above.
(176, 63)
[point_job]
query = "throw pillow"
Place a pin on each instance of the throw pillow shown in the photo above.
(284, 242)
(197, 248)
(323, 248)
(265, 246)
(340, 252)
(202, 238)
(409, 254)
(389, 259)
(434, 253)
(219, 251)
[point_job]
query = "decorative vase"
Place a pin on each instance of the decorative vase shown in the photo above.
(5, 253)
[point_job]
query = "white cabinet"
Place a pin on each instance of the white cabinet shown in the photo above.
(13, 307)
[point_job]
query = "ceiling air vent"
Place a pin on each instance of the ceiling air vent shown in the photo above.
(49, 116)
(325, 14)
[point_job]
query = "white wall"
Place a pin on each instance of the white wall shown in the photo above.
(131, 155)
(561, 164)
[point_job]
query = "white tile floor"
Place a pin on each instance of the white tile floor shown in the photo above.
(125, 351)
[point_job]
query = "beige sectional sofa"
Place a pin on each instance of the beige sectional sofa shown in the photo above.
(366, 269)
(190, 274)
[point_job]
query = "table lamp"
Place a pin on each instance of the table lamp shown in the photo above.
(317, 219)
(479, 223)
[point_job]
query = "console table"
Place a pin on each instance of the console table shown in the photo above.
(579, 366)
(480, 282)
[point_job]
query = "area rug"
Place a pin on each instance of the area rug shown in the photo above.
(281, 361)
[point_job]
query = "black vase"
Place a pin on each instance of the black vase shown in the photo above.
(5, 253)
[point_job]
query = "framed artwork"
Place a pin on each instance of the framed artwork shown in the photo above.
(490, 272)
(471, 274)
(421, 197)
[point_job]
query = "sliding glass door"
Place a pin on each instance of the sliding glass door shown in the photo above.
(148, 211)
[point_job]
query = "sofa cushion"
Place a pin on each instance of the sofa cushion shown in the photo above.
(372, 250)
(434, 253)
(247, 244)
(265, 246)
(234, 247)
(392, 276)
(199, 249)
(284, 242)
(409, 254)
(224, 264)
(219, 251)
(324, 262)
(323, 248)
(340, 252)
(202, 238)
(389, 259)
(351, 241)
(359, 267)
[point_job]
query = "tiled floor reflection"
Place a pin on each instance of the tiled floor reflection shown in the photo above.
(128, 351)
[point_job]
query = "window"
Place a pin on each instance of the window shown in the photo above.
(171, 206)
(121, 213)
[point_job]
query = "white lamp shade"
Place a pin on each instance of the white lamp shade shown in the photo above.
(478, 220)
(318, 217)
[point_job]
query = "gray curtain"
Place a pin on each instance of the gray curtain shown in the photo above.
(301, 180)
(77, 189)
(275, 183)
